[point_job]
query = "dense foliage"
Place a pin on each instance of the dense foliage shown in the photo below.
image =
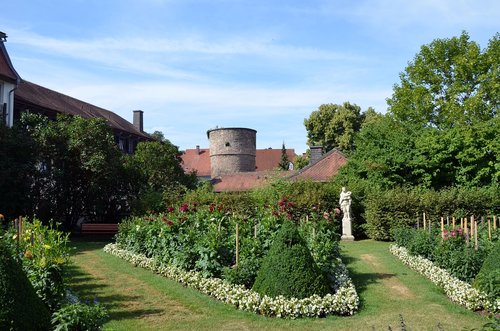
(203, 237)
(288, 269)
(160, 177)
(488, 278)
(20, 307)
(70, 169)
(79, 316)
(453, 251)
(334, 126)
(450, 83)
(43, 255)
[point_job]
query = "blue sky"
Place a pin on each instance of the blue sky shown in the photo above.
(192, 65)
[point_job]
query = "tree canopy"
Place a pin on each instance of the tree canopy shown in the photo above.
(442, 128)
(333, 126)
(450, 82)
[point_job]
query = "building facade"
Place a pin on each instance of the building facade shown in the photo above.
(18, 96)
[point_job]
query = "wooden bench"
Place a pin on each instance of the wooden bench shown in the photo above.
(99, 228)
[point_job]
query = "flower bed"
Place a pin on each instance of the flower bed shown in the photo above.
(344, 302)
(458, 291)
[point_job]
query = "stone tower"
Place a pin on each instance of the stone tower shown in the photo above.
(232, 150)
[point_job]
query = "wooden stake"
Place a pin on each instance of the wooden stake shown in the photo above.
(453, 222)
(448, 221)
(472, 226)
(442, 227)
(237, 245)
(466, 229)
(494, 222)
(475, 235)
(461, 222)
(489, 229)
(255, 231)
(425, 223)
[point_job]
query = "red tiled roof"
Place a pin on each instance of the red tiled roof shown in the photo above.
(43, 97)
(7, 71)
(245, 181)
(324, 169)
(269, 159)
(265, 159)
(197, 160)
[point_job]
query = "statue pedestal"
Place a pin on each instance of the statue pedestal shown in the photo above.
(347, 238)
(347, 229)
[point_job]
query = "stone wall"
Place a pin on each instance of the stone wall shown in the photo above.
(232, 150)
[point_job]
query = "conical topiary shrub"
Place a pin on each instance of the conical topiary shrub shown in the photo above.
(20, 307)
(289, 268)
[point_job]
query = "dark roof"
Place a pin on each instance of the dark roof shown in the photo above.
(43, 97)
(324, 169)
(7, 71)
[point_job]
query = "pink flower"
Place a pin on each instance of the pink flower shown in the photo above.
(453, 233)
(326, 215)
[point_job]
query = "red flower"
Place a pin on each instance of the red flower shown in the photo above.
(170, 209)
(184, 208)
(212, 207)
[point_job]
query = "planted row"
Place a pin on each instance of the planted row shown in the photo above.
(205, 239)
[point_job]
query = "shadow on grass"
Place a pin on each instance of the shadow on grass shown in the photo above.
(362, 280)
(89, 289)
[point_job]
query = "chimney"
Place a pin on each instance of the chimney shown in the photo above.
(316, 154)
(198, 149)
(138, 120)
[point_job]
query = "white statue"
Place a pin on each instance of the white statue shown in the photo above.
(345, 204)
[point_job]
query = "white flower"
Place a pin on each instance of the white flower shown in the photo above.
(458, 291)
(345, 301)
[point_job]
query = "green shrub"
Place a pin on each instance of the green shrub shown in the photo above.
(79, 316)
(20, 307)
(403, 235)
(488, 278)
(459, 259)
(423, 244)
(289, 269)
(45, 254)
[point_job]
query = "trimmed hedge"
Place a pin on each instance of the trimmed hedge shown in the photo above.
(387, 210)
(20, 307)
(289, 268)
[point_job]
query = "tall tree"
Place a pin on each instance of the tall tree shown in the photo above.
(161, 177)
(284, 161)
(334, 126)
(449, 83)
(79, 170)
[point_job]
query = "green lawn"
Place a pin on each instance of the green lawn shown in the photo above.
(140, 300)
